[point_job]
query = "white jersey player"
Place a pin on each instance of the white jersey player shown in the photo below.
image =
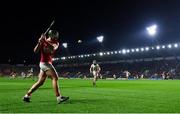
(127, 74)
(95, 70)
(30, 74)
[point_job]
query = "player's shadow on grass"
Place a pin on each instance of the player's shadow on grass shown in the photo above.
(76, 86)
(44, 88)
(53, 102)
(75, 101)
(84, 101)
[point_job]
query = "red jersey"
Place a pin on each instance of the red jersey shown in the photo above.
(46, 56)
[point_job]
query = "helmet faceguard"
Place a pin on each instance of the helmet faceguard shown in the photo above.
(94, 62)
(53, 34)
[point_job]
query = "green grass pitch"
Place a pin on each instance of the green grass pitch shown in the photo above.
(110, 96)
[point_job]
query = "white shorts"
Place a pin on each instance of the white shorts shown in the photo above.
(95, 73)
(44, 66)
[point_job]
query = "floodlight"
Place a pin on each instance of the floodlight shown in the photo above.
(152, 30)
(100, 39)
(176, 45)
(65, 45)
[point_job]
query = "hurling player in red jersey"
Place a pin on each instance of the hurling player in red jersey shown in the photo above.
(47, 47)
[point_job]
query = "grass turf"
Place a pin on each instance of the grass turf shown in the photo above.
(110, 96)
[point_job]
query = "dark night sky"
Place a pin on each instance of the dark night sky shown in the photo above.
(122, 22)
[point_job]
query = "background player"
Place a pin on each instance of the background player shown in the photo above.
(95, 70)
(127, 74)
(30, 74)
(47, 47)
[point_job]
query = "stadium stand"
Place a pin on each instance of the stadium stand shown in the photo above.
(8, 70)
(158, 62)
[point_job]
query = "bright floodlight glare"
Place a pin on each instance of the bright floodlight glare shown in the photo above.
(158, 47)
(123, 51)
(101, 54)
(163, 47)
(142, 49)
(108, 53)
(65, 45)
(63, 58)
(100, 39)
(175, 45)
(137, 49)
(119, 51)
(169, 46)
(128, 51)
(115, 52)
(132, 50)
(79, 41)
(147, 49)
(152, 47)
(152, 30)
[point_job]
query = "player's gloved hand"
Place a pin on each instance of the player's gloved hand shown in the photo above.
(42, 38)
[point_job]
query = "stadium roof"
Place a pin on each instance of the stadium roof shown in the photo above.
(146, 49)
